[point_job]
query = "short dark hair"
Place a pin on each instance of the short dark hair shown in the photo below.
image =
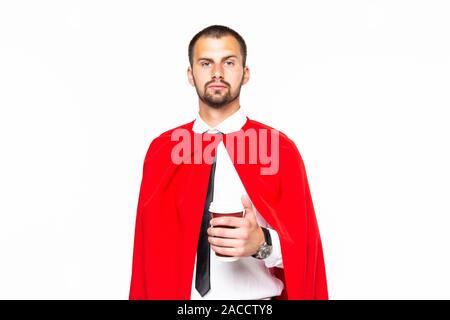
(217, 31)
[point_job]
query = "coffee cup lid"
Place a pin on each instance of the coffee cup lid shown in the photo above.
(225, 207)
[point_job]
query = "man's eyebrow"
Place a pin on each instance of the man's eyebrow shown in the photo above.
(224, 58)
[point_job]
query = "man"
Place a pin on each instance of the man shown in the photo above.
(222, 156)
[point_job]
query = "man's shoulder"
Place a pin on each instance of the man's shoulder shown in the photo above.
(284, 141)
(167, 134)
(288, 154)
(164, 140)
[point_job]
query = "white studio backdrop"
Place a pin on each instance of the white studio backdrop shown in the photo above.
(362, 87)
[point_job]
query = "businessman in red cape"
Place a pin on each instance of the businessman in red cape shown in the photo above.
(173, 189)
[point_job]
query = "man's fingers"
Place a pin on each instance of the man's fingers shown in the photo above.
(225, 233)
(225, 242)
(227, 221)
(232, 252)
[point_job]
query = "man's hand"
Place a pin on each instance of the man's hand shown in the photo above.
(243, 240)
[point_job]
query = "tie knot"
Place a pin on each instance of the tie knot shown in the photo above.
(213, 131)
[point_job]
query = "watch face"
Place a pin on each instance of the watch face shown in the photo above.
(265, 251)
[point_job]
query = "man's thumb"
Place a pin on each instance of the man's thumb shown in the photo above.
(246, 202)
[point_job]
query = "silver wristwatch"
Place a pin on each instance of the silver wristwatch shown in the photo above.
(266, 249)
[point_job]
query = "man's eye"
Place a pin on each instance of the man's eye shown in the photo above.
(205, 64)
(230, 63)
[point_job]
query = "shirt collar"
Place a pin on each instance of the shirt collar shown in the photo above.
(233, 123)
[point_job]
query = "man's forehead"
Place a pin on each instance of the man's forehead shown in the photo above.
(209, 47)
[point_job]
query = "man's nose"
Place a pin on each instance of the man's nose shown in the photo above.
(217, 72)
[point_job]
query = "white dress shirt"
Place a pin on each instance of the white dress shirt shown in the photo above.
(248, 277)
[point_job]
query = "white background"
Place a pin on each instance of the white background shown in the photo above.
(362, 87)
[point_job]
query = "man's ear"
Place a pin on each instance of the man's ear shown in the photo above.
(190, 76)
(246, 75)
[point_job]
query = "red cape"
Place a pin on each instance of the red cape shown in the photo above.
(170, 209)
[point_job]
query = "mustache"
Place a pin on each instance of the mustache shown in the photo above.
(221, 82)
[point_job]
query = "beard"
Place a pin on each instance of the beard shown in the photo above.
(215, 98)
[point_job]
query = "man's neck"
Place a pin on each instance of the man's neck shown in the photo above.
(213, 116)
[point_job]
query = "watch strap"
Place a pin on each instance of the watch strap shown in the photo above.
(267, 236)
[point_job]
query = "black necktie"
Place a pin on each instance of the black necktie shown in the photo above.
(202, 281)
